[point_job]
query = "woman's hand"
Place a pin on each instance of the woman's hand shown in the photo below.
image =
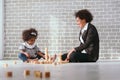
(70, 52)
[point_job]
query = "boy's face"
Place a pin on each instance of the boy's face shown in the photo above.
(31, 41)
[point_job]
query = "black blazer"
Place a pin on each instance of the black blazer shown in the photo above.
(91, 43)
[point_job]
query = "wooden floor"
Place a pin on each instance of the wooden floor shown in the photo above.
(103, 70)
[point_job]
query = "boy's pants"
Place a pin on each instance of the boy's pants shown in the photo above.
(24, 58)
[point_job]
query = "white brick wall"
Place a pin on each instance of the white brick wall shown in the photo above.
(55, 21)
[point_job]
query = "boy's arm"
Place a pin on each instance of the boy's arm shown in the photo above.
(41, 54)
(25, 53)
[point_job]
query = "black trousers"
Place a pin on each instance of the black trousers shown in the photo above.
(76, 57)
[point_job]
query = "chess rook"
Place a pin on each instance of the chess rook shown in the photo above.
(46, 54)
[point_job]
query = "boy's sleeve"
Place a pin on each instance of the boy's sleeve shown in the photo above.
(21, 47)
(37, 48)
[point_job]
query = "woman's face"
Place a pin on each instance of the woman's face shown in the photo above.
(31, 41)
(80, 22)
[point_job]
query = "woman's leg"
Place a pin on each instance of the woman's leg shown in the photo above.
(22, 57)
(78, 57)
(64, 56)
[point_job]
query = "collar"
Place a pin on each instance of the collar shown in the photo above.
(84, 28)
(29, 46)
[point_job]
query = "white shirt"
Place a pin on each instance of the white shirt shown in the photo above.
(82, 31)
(30, 49)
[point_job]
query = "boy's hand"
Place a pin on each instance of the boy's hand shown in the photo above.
(27, 55)
(41, 54)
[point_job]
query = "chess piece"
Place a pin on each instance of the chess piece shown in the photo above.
(46, 54)
(9, 74)
(15, 62)
(26, 72)
(47, 74)
(38, 74)
(5, 65)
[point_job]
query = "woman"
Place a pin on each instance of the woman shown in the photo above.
(88, 50)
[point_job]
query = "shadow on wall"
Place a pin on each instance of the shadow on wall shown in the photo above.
(55, 34)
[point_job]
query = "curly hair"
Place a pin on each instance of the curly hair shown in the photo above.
(29, 33)
(84, 14)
